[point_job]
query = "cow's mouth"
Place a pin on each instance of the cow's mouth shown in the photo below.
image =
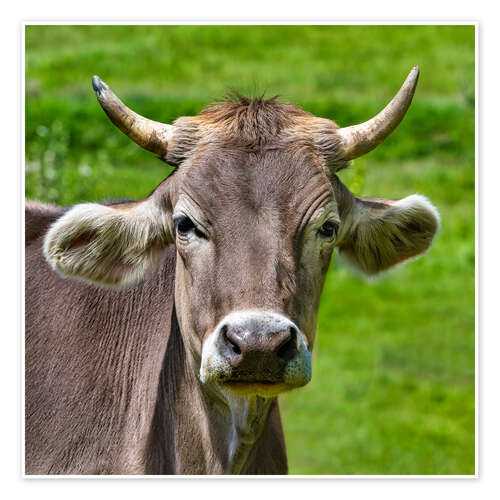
(263, 388)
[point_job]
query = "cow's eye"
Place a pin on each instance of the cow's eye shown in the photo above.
(183, 224)
(328, 229)
(185, 227)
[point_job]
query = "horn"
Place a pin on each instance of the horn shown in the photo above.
(148, 134)
(361, 139)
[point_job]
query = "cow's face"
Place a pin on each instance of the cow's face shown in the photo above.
(255, 210)
(254, 234)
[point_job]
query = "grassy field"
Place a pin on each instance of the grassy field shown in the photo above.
(393, 373)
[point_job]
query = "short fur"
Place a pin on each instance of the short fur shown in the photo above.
(112, 382)
(256, 125)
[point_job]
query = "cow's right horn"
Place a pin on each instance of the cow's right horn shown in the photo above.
(150, 135)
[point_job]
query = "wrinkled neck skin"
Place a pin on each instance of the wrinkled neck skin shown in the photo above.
(221, 434)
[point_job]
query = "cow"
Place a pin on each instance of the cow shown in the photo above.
(160, 332)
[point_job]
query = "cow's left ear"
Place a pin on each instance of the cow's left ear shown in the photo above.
(378, 234)
(112, 245)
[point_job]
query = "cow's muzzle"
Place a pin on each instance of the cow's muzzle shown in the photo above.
(256, 353)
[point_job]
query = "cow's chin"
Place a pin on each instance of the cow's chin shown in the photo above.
(263, 389)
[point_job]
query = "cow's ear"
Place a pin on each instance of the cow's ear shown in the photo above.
(112, 245)
(379, 234)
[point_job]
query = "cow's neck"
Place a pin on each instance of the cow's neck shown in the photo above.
(213, 431)
(248, 417)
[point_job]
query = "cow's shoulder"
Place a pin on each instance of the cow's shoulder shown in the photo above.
(38, 218)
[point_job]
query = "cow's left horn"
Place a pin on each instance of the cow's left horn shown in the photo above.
(361, 139)
(150, 135)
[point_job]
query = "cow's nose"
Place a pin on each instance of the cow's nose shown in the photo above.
(256, 352)
(253, 341)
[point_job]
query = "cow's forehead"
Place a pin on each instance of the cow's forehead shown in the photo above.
(226, 181)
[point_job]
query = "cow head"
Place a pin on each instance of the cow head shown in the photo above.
(255, 209)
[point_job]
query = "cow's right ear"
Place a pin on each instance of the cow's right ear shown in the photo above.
(112, 245)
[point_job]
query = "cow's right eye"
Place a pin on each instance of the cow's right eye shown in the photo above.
(184, 225)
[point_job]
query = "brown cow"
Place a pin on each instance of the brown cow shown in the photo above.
(191, 310)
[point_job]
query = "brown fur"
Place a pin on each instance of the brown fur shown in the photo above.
(254, 126)
(112, 374)
(107, 384)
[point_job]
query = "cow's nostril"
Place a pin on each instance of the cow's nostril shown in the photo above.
(234, 347)
(288, 349)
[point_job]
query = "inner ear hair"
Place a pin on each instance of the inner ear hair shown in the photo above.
(112, 245)
(382, 233)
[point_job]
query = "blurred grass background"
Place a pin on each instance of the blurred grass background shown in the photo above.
(393, 373)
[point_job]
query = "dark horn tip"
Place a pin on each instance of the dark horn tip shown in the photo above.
(98, 85)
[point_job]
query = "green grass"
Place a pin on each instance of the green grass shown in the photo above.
(393, 374)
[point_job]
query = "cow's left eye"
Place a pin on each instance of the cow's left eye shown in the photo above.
(328, 229)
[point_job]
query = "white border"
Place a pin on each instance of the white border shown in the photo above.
(22, 180)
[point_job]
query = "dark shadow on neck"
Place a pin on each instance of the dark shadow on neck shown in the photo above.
(161, 457)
